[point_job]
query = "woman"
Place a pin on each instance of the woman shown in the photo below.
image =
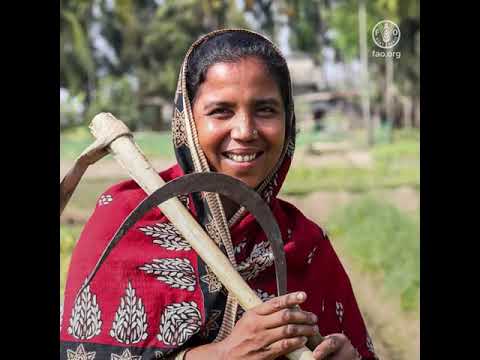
(154, 297)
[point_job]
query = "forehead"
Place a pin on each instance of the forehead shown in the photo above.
(245, 77)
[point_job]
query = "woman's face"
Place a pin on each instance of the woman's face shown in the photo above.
(240, 119)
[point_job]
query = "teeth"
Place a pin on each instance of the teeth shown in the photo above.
(241, 158)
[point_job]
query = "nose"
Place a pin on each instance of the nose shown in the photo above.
(244, 127)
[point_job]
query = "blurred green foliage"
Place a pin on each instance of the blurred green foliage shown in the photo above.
(116, 94)
(382, 239)
(142, 47)
(70, 107)
(68, 238)
(125, 56)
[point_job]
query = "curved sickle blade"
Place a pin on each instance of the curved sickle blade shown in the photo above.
(217, 183)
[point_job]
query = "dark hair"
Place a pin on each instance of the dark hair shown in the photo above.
(231, 47)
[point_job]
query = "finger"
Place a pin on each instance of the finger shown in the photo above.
(283, 347)
(346, 352)
(287, 331)
(280, 302)
(330, 345)
(290, 316)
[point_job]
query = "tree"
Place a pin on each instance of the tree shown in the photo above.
(263, 12)
(77, 66)
(342, 19)
(143, 47)
(308, 31)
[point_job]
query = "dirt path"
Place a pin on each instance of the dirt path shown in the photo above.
(350, 157)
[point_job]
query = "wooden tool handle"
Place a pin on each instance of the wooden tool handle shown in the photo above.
(129, 155)
(89, 156)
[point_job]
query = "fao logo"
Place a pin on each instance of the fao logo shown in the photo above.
(386, 34)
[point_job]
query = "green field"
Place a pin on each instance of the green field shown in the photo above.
(394, 165)
(384, 240)
(153, 144)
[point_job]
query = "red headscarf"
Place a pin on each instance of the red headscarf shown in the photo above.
(154, 296)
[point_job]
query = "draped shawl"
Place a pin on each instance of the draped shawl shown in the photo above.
(154, 296)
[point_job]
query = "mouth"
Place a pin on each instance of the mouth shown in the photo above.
(242, 157)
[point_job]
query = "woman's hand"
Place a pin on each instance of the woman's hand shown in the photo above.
(336, 347)
(270, 330)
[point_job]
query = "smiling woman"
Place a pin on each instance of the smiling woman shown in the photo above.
(154, 297)
(240, 119)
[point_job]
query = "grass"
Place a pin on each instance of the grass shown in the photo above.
(303, 180)
(382, 239)
(153, 144)
(394, 165)
(304, 138)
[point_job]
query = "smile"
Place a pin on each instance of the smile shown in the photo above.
(242, 157)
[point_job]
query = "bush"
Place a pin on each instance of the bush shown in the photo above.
(117, 95)
(71, 108)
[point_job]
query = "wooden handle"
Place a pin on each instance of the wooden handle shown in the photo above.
(129, 155)
(89, 156)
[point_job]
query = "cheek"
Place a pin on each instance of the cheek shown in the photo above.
(276, 137)
(210, 136)
(208, 126)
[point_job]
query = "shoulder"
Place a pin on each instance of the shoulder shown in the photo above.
(316, 250)
(126, 195)
(299, 222)
(116, 203)
(305, 238)
(112, 208)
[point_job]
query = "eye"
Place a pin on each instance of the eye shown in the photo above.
(220, 113)
(266, 111)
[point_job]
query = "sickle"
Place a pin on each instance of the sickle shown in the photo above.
(209, 182)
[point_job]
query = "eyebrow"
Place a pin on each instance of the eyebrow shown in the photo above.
(267, 101)
(213, 104)
(257, 102)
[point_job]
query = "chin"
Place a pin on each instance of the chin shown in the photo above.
(250, 182)
(249, 179)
